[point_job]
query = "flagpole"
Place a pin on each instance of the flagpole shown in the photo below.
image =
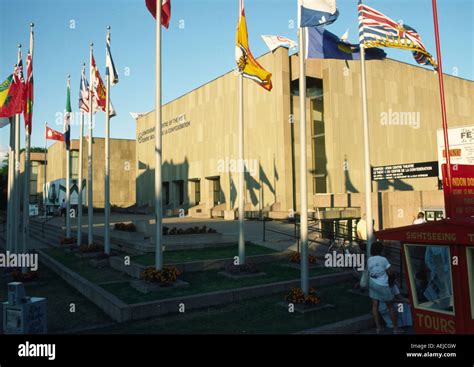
(367, 168)
(26, 191)
(158, 145)
(241, 165)
(443, 101)
(303, 168)
(80, 174)
(107, 156)
(90, 209)
(45, 192)
(68, 170)
(11, 167)
(16, 186)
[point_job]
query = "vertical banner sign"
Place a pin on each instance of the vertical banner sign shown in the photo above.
(459, 201)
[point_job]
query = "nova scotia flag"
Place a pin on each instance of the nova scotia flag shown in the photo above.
(317, 12)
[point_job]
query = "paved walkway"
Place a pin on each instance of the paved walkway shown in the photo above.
(229, 229)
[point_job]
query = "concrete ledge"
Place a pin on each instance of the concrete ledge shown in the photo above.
(110, 304)
(171, 305)
(349, 326)
(135, 269)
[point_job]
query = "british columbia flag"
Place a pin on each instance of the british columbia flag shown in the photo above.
(378, 30)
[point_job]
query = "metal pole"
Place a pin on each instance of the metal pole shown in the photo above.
(303, 168)
(241, 165)
(45, 192)
(158, 146)
(90, 209)
(68, 171)
(11, 165)
(80, 174)
(107, 159)
(26, 188)
(16, 186)
(367, 169)
(443, 102)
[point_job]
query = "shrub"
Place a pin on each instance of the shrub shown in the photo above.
(85, 249)
(297, 296)
(165, 277)
(247, 268)
(190, 230)
(68, 240)
(296, 258)
(130, 227)
(165, 231)
(29, 276)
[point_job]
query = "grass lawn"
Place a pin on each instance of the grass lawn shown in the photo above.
(84, 268)
(213, 253)
(60, 296)
(255, 316)
(210, 281)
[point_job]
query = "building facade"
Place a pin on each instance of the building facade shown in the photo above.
(122, 170)
(200, 136)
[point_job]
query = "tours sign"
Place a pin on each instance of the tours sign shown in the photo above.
(404, 171)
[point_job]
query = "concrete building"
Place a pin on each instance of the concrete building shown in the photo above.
(200, 135)
(122, 170)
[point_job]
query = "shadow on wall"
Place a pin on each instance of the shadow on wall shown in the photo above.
(397, 184)
(348, 185)
(172, 174)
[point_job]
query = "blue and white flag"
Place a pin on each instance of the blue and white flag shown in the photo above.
(323, 44)
(317, 12)
(110, 66)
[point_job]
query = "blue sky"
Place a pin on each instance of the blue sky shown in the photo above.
(198, 47)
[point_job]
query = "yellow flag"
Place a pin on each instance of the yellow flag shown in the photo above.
(246, 63)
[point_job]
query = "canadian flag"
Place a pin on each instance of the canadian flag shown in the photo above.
(54, 135)
(165, 10)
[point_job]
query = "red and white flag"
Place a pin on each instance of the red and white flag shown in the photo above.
(54, 135)
(165, 10)
(99, 100)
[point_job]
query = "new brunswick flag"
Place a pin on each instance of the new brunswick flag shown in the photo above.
(246, 63)
(12, 96)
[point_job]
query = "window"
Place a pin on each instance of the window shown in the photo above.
(470, 274)
(197, 192)
(74, 164)
(429, 268)
(33, 182)
(179, 190)
(318, 146)
(166, 193)
(216, 187)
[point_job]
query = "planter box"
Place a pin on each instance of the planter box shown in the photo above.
(148, 287)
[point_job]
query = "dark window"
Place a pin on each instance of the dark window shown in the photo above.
(166, 193)
(179, 185)
(217, 191)
(197, 192)
(318, 134)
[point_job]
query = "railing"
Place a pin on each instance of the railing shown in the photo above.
(340, 232)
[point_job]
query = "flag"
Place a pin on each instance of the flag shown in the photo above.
(112, 72)
(273, 42)
(51, 134)
(28, 110)
(12, 96)
(99, 100)
(317, 12)
(67, 118)
(323, 44)
(165, 11)
(378, 30)
(84, 93)
(246, 63)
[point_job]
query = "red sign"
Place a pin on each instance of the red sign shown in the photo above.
(459, 195)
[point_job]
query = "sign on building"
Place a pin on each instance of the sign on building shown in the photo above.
(404, 171)
(461, 146)
(459, 199)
